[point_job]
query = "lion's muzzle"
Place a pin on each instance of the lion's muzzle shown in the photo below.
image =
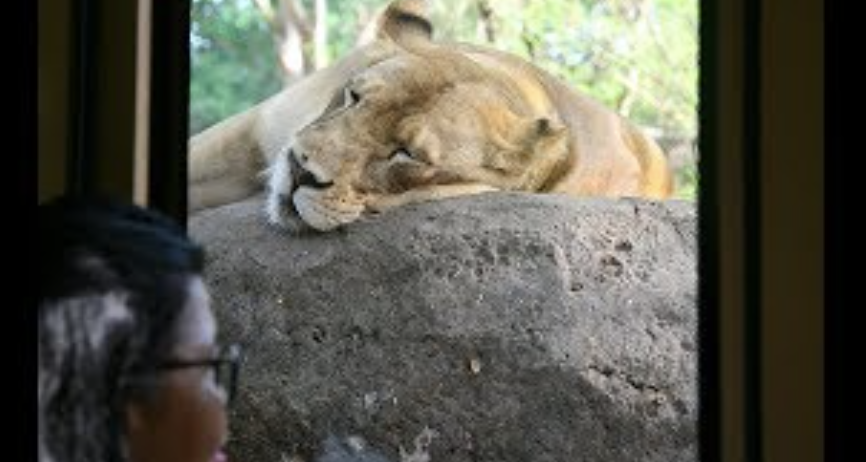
(304, 198)
(301, 176)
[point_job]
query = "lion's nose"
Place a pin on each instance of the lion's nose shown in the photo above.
(298, 157)
(300, 175)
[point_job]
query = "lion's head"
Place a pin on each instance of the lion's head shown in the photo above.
(427, 121)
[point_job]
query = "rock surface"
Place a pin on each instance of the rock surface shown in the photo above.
(499, 327)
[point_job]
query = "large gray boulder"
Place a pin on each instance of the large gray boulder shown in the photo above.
(500, 327)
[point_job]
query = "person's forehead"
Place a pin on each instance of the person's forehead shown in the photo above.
(197, 325)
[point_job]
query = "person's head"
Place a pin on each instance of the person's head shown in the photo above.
(126, 336)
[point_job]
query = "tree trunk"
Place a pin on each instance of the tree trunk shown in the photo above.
(290, 32)
(485, 21)
(321, 34)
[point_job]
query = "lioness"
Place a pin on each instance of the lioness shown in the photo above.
(405, 119)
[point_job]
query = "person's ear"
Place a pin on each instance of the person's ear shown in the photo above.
(135, 416)
(141, 433)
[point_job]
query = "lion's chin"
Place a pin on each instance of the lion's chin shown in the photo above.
(281, 212)
(307, 210)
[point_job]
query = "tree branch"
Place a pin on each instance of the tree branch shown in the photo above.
(485, 17)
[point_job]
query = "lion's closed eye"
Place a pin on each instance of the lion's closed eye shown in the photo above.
(403, 155)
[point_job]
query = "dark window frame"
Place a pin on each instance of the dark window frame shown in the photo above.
(748, 136)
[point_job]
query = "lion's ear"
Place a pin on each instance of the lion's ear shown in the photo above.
(545, 126)
(403, 22)
(540, 134)
(543, 129)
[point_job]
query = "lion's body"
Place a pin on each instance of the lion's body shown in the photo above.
(404, 119)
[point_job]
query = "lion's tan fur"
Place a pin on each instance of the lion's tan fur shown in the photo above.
(431, 120)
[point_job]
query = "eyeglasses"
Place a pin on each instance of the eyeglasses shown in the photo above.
(226, 366)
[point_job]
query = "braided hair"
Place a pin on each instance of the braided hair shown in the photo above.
(113, 279)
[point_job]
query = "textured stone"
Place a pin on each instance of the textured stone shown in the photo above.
(499, 327)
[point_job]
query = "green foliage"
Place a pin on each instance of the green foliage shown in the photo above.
(687, 180)
(346, 20)
(232, 65)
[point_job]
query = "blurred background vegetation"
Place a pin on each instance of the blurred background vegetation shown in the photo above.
(639, 57)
